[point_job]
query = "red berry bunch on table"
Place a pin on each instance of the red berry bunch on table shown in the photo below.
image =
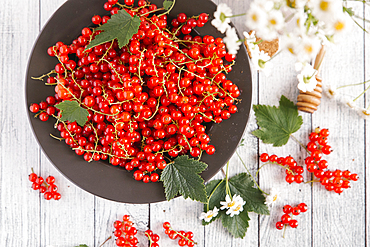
(287, 217)
(336, 180)
(45, 108)
(293, 171)
(148, 100)
(153, 238)
(47, 186)
(125, 232)
(184, 238)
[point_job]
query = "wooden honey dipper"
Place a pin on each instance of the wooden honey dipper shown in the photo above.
(309, 101)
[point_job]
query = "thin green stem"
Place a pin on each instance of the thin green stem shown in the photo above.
(356, 84)
(300, 143)
(227, 180)
(105, 241)
(209, 198)
(261, 168)
(168, 11)
(361, 94)
(250, 174)
(231, 16)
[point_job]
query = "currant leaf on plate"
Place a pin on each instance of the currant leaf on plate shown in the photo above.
(276, 124)
(182, 176)
(72, 111)
(122, 26)
(167, 4)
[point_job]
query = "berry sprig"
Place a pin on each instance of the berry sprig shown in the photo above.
(287, 217)
(293, 171)
(47, 186)
(147, 101)
(185, 238)
(153, 238)
(125, 232)
(336, 180)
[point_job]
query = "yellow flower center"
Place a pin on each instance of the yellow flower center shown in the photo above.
(273, 22)
(238, 208)
(209, 216)
(365, 112)
(324, 5)
(290, 49)
(254, 17)
(308, 48)
(339, 25)
(274, 198)
(230, 204)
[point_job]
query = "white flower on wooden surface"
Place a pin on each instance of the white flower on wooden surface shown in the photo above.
(307, 48)
(326, 10)
(232, 41)
(364, 113)
(307, 80)
(330, 91)
(271, 199)
(221, 21)
(209, 215)
(256, 18)
(262, 62)
(349, 102)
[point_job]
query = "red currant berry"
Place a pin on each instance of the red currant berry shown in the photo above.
(264, 157)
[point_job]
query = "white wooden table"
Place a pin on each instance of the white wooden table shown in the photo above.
(26, 219)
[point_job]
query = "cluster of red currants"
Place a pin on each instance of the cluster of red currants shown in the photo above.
(287, 219)
(337, 180)
(148, 100)
(293, 171)
(185, 238)
(47, 186)
(153, 238)
(125, 232)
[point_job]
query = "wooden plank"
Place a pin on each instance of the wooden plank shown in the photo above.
(73, 215)
(367, 129)
(19, 204)
(283, 81)
(338, 220)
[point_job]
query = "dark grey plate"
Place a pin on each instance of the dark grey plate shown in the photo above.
(100, 178)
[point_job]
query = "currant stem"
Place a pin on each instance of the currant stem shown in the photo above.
(250, 174)
(59, 139)
(312, 181)
(150, 239)
(168, 11)
(105, 241)
(300, 143)
(284, 230)
(227, 180)
(209, 198)
(40, 78)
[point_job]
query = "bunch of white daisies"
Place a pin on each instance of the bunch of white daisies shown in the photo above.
(302, 26)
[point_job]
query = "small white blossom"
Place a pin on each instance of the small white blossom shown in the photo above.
(209, 215)
(307, 79)
(232, 41)
(256, 17)
(307, 48)
(272, 197)
(349, 102)
(326, 10)
(234, 206)
(363, 112)
(221, 21)
(261, 62)
(330, 91)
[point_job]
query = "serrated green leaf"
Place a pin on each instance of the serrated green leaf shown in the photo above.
(242, 185)
(72, 111)
(122, 26)
(167, 4)
(216, 192)
(236, 225)
(182, 176)
(277, 123)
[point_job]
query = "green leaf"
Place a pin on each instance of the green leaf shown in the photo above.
(236, 225)
(242, 185)
(167, 4)
(182, 176)
(277, 123)
(72, 111)
(216, 192)
(122, 26)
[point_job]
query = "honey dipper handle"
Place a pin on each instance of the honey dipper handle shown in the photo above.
(319, 58)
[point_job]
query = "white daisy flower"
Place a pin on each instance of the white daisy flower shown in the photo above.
(289, 42)
(250, 38)
(307, 79)
(363, 112)
(232, 41)
(237, 208)
(349, 102)
(221, 21)
(326, 10)
(308, 48)
(272, 197)
(330, 91)
(230, 203)
(256, 17)
(209, 215)
(275, 20)
(261, 62)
